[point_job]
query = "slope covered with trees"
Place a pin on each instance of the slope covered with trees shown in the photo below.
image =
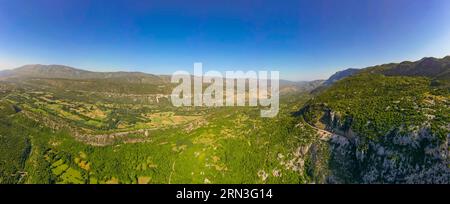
(391, 125)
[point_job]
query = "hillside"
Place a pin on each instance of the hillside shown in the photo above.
(390, 123)
(433, 68)
(75, 126)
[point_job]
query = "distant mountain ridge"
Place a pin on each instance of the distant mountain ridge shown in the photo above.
(37, 71)
(66, 72)
(340, 75)
(431, 67)
(434, 68)
(299, 86)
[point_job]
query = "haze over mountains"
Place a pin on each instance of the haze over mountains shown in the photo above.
(429, 67)
(38, 71)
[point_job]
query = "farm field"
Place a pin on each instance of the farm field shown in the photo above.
(81, 141)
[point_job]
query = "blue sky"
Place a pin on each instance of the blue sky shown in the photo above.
(304, 40)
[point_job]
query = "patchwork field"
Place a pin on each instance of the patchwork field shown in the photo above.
(82, 141)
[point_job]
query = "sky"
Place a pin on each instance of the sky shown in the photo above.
(304, 40)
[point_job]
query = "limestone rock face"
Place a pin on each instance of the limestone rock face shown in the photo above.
(395, 158)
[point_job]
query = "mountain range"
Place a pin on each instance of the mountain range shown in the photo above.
(428, 67)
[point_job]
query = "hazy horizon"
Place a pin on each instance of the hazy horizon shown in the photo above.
(303, 40)
(207, 69)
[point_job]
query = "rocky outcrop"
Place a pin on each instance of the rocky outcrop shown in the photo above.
(416, 157)
(395, 157)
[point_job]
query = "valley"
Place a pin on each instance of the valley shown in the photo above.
(90, 136)
(374, 125)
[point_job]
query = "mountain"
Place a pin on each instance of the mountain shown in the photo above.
(61, 77)
(430, 67)
(388, 123)
(65, 72)
(340, 75)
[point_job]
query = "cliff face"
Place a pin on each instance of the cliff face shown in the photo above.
(385, 129)
(416, 157)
